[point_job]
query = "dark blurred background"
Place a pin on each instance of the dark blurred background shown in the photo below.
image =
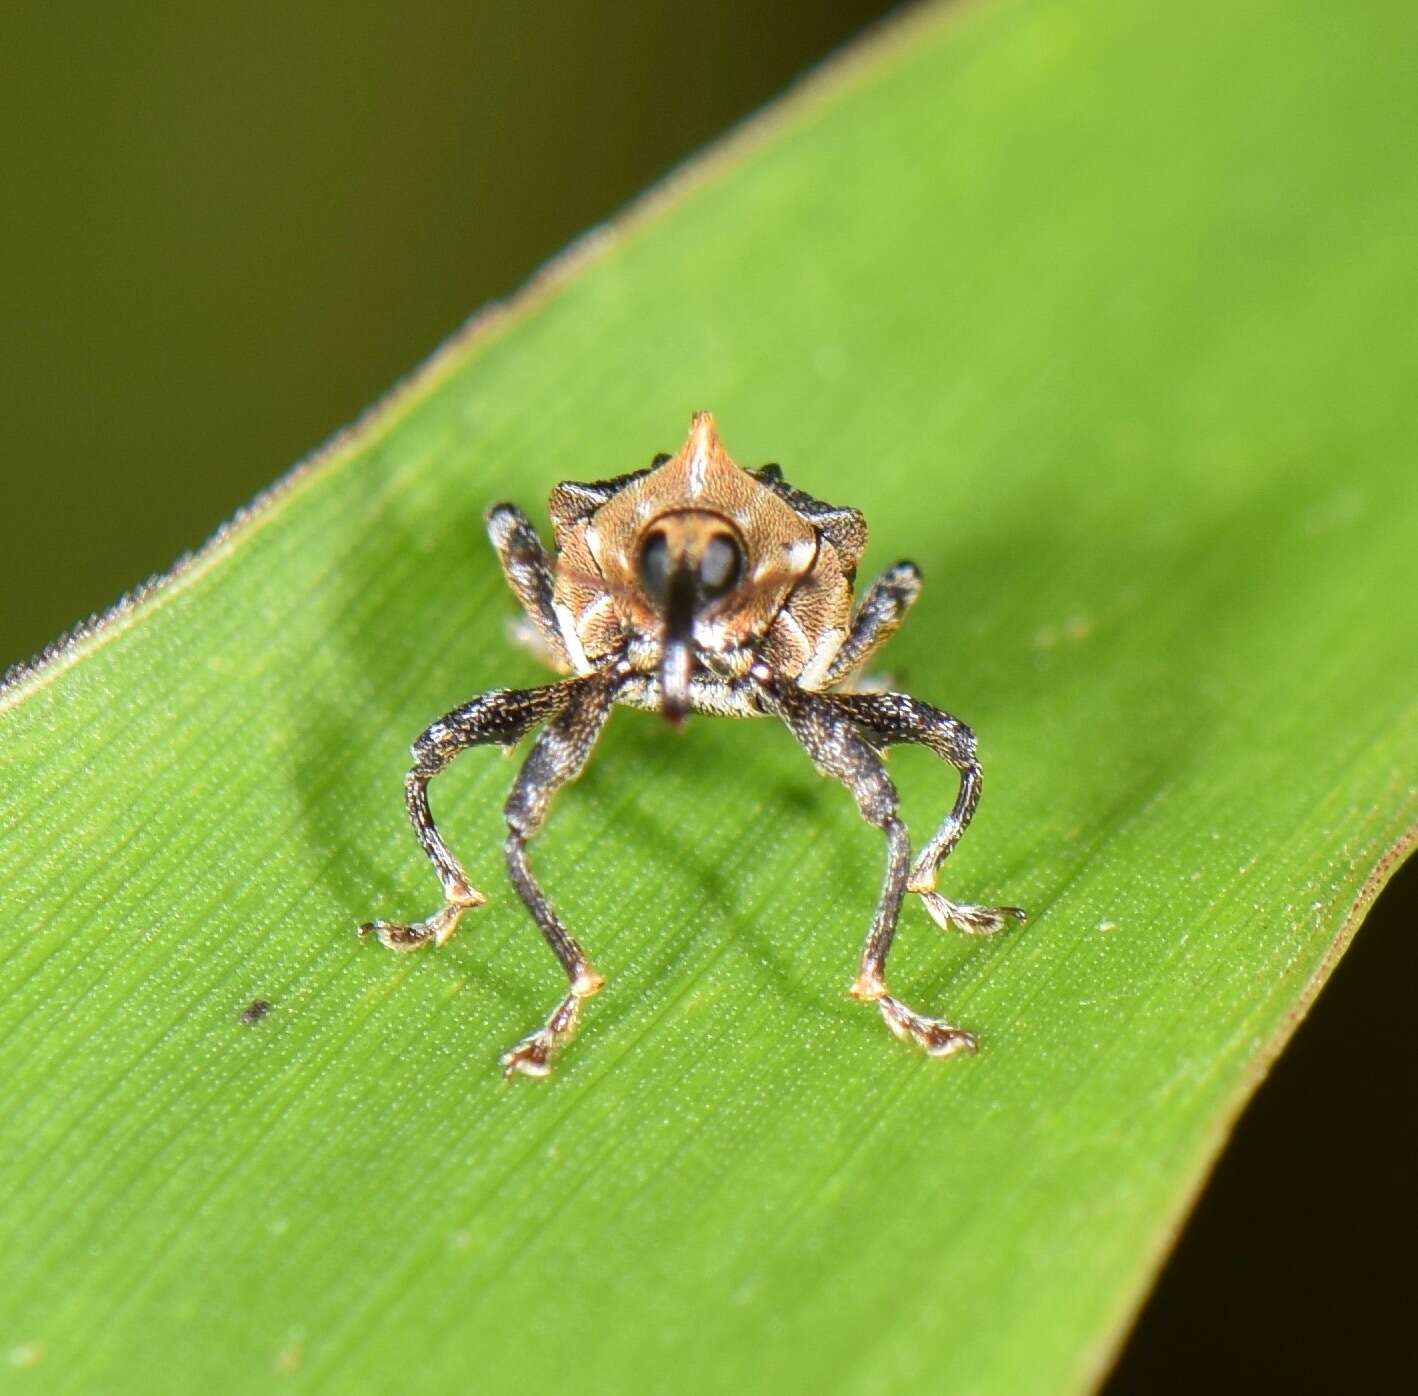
(228, 228)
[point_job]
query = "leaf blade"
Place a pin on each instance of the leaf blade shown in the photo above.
(736, 1172)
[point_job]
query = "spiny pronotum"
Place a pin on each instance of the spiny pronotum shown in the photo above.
(695, 586)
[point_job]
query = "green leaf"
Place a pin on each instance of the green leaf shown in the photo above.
(1098, 313)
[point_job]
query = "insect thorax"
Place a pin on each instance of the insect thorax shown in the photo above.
(767, 582)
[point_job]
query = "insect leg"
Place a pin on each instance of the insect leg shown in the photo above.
(878, 617)
(896, 717)
(559, 756)
(500, 718)
(838, 748)
(528, 570)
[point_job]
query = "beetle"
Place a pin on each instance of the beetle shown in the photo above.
(697, 586)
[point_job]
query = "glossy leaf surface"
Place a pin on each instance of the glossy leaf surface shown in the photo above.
(1100, 315)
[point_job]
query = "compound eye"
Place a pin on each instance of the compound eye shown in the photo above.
(720, 567)
(655, 568)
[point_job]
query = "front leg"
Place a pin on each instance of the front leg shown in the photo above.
(839, 749)
(528, 570)
(559, 756)
(890, 718)
(500, 718)
(878, 617)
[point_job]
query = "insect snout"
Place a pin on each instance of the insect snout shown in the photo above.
(688, 561)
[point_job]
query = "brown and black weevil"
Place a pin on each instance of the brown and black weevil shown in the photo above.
(696, 586)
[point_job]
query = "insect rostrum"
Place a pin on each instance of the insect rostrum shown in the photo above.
(695, 586)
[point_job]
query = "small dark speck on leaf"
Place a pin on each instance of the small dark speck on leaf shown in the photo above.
(255, 1011)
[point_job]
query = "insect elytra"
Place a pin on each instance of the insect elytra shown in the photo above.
(697, 586)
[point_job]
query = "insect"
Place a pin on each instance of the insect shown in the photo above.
(696, 586)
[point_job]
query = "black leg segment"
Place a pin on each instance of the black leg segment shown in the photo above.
(845, 749)
(891, 718)
(559, 756)
(528, 570)
(499, 718)
(878, 617)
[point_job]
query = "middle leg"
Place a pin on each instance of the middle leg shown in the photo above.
(558, 757)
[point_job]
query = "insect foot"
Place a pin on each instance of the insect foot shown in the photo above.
(973, 920)
(934, 1036)
(437, 928)
(533, 1055)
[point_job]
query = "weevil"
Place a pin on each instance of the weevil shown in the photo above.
(697, 586)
